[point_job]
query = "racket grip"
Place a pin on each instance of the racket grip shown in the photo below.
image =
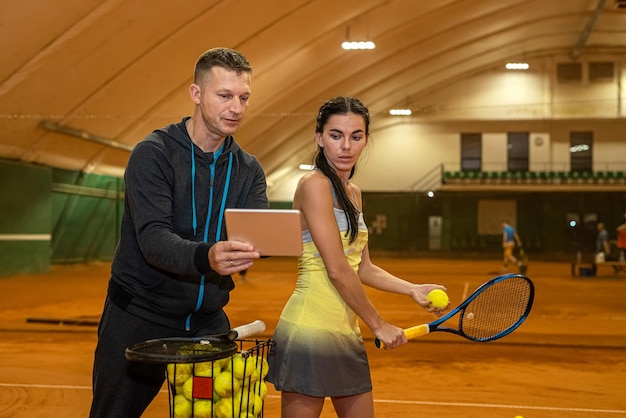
(416, 331)
(244, 331)
(412, 332)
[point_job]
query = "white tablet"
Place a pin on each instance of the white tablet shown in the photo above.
(276, 232)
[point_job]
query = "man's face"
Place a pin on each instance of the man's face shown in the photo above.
(222, 98)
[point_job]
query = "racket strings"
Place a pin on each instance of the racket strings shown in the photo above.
(497, 309)
(182, 350)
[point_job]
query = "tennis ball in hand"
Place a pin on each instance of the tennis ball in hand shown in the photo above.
(438, 299)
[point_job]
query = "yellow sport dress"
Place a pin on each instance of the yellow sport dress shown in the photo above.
(318, 348)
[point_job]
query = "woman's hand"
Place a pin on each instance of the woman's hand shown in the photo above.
(390, 335)
(419, 293)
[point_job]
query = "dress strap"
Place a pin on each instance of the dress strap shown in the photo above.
(332, 190)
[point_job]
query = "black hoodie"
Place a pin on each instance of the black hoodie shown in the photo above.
(160, 270)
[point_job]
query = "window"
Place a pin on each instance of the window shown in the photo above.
(517, 151)
(568, 72)
(601, 71)
(581, 151)
(471, 151)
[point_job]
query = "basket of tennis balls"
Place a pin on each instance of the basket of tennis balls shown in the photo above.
(231, 387)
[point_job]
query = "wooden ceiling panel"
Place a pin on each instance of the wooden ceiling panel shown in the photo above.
(121, 68)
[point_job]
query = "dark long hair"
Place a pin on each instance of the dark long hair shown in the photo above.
(340, 105)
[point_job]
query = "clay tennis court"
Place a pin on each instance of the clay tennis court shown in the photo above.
(567, 360)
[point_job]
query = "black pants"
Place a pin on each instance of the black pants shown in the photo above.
(121, 388)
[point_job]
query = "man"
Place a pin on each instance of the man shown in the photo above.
(509, 239)
(602, 241)
(170, 275)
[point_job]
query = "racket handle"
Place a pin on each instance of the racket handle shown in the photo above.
(412, 332)
(416, 331)
(244, 331)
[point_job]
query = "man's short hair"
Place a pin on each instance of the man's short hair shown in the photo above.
(221, 57)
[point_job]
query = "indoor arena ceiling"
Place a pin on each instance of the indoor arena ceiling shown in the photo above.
(82, 81)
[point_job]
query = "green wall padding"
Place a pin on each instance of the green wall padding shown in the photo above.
(86, 212)
(54, 216)
(25, 218)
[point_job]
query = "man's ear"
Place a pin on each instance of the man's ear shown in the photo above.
(194, 92)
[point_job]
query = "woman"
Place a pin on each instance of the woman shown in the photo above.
(319, 350)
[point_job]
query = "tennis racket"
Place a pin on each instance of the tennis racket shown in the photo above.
(192, 349)
(494, 310)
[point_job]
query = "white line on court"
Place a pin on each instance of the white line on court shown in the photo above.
(465, 290)
(389, 401)
(502, 406)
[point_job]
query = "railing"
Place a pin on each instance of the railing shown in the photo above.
(534, 177)
(432, 180)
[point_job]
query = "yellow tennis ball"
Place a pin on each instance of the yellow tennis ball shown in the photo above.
(188, 389)
(177, 374)
(262, 366)
(438, 298)
(243, 367)
(202, 409)
(225, 384)
(225, 408)
(260, 388)
(207, 369)
(182, 407)
(245, 401)
(258, 405)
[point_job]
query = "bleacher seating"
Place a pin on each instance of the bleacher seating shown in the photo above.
(534, 177)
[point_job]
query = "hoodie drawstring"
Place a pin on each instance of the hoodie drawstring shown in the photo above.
(218, 233)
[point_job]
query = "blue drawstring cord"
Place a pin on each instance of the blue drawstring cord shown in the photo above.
(194, 222)
(209, 211)
(223, 206)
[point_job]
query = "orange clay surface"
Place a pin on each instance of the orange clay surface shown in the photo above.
(567, 360)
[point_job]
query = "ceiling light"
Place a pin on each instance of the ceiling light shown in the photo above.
(517, 66)
(358, 45)
(579, 148)
(400, 112)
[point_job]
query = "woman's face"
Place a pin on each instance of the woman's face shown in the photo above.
(343, 140)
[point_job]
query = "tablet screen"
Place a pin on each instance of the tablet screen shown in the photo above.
(276, 232)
